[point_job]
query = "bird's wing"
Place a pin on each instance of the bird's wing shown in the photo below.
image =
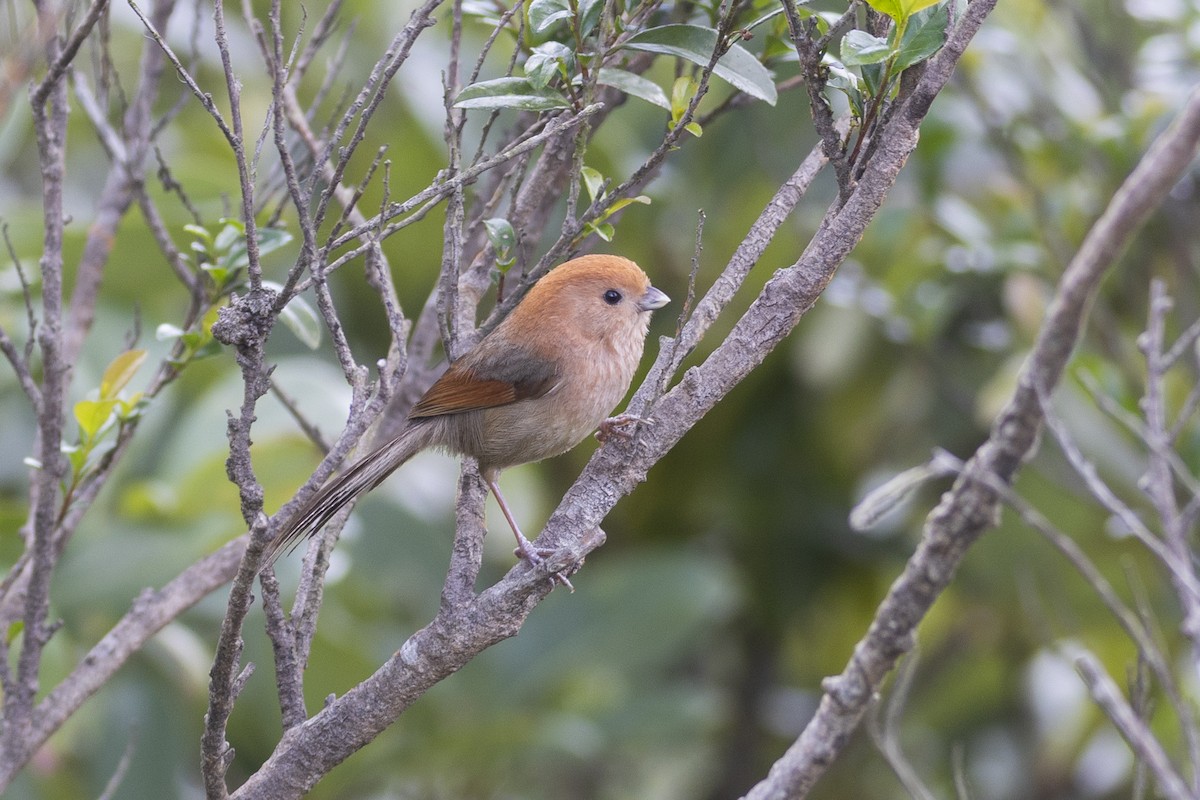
(486, 379)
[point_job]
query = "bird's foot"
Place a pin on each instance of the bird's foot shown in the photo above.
(536, 555)
(620, 426)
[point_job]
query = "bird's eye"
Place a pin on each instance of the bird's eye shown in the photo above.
(612, 297)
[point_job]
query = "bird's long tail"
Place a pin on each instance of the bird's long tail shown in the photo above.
(356, 480)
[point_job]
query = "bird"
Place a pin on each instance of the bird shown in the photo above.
(534, 387)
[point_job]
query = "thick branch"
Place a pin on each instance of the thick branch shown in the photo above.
(970, 507)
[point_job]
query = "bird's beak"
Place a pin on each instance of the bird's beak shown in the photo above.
(652, 299)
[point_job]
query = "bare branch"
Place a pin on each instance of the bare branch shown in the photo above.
(49, 105)
(1159, 480)
(1143, 743)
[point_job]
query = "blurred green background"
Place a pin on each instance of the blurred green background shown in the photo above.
(691, 654)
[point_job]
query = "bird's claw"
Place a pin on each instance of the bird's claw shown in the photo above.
(619, 426)
(536, 555)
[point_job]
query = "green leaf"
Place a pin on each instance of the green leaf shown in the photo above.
(924, 36)
(119, 372)
(900, 10)
(199, 231)
(696, 44)
(694, 129)
(211, 347)
(860, 47)
(14, 630)
(510, 93)
(778, 48)
(893, 8)
(76, 456)
(682, 92)
(770, 15)
(593, 181)
(271, 239)
(546, 61)
(589, 15)
(839, 76)
(302, 320)
(231, 233)
(872, 79)
(500, 233)
(625, 201)
(129, 408)
(911, 7)
(634, 85)
(484, 11)
(92, 415)
(544, 13)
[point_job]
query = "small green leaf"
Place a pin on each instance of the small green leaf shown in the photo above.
(299, 317)
(900, 10)
(775, 12)
(839, 76)
(271, 239)
(199, 231)
(130, 407)
(911, 7)
(625, 201)
(924, 36)
(694, 129)
(14, 630)
(510, 93)
(605, 231)
(544, 13)
(210, 348)
(593, 181)
(633, 84)
(893, 8)
(302, 320)
(483, 10)
(872, 78)
(860, 47)
(503, 239)
(546, 61)
(92, 415)
(589, 15)
(76, 457)
(227, 238)
(778, 48)
(119, 372)
(697, 44)
(682, 92)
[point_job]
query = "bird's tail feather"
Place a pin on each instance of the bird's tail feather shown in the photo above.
(356, 480)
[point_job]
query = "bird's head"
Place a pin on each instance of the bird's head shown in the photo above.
(603, 297)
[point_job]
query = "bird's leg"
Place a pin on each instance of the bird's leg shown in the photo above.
(619, 426)
(525, 548)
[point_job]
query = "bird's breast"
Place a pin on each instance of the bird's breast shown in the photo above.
(546, 426)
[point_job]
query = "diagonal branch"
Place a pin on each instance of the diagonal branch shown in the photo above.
(970, 507)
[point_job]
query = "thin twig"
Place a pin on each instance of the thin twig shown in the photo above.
(1139, 738)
